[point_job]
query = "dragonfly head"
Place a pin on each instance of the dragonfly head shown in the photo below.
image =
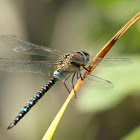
(85, 57)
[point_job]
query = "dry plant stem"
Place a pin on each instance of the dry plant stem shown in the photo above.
(92, 66)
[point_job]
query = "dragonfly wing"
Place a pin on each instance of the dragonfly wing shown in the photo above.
(113, 62)
(99, 83)
(40, 67)
(21, 46)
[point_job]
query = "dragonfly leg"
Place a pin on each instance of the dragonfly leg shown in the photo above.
(86, 68)
(65, 83)
(79, 74)
(73, 82)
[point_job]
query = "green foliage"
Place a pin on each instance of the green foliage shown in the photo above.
(133, 135)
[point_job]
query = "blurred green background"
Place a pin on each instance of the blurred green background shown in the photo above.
(70, 25)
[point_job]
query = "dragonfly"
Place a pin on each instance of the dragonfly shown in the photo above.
(66, 65)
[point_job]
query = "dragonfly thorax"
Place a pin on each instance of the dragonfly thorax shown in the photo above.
(70, 63)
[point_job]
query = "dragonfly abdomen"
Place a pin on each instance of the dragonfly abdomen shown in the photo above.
(33, 101)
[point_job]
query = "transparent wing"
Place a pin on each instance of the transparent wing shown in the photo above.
(113, 62)
(40, 67)
(98, 83)
(21, 46)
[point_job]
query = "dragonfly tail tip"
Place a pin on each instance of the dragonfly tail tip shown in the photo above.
(10, 126)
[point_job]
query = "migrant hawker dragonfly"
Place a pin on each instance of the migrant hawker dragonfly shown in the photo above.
(66, 64)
